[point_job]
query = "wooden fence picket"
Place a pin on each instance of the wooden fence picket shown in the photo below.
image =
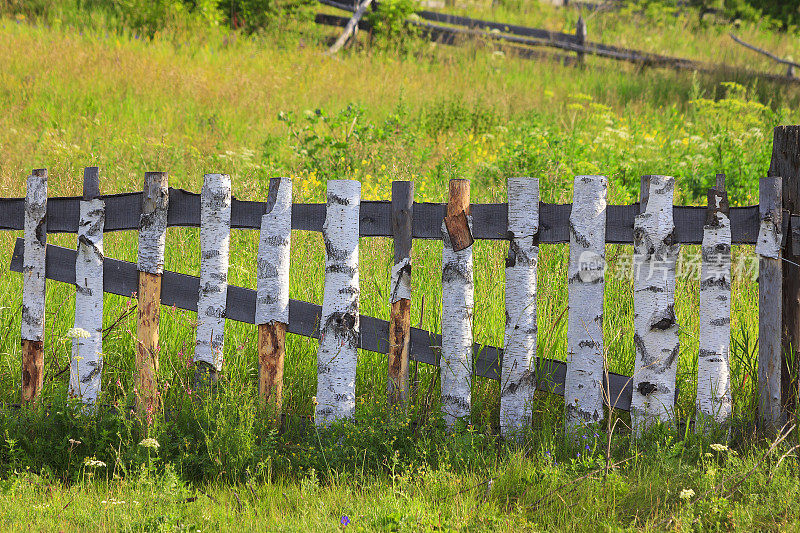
(272, 300)
(215, 234)
(339, 323)
(518, 379)
(86, 364)
(150, 264)
(400, 293)
(713, 366)
(583, 387)
(655, 328)
(33, 287)
(458, 292)
(770, 274)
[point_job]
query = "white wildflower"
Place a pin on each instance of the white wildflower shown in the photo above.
(93, 463)
(78, 333)
(686, 494)
(719, 447)
(150, 443)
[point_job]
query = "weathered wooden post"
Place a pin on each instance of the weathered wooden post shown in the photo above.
(518, 372)
(580, 39)
(215, 234)
(770, 279)
(583, 386)
(458, 292)
(713, 367)
(400, 294)
(655, 328)
(786, 164)
(272, 299)
(86, 365)
(33, 285)
(152, 241)
(339, 323)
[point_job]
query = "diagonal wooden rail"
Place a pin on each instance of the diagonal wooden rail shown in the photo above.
(180, 291)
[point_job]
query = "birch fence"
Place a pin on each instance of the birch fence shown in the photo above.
(654, 226)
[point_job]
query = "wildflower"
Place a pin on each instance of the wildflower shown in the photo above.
(719, 447)
(345, 520)
(78, 333)
(708, 455)
(686, 494)
(587, 447)
(150, 443)
(314, 401)
(93, 463)
(74, 442)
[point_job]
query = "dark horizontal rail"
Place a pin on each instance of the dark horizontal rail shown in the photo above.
(490, 221)
(180, 290)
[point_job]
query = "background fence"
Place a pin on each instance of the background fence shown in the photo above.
(526, 41)
(654, 226)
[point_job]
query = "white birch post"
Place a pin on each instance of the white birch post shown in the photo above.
(770, 299)
(713, 368)
(655, 328)
(86, 364)
(33, 285)
(272, 289)
(457, 308)
(517, 373)
(583, 387)
(215, 232)
(339, 326)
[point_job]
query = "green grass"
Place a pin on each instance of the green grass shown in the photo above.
(192, 102)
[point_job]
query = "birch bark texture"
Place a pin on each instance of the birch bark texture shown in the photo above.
(655, 328)
(583, 385)
(713, 366)
(770, 300)
(272, 289)
(215, 232)
(86, 364)
(152, 242)
(517, 372)
(458, 294)
(33, 285)
(339, 328)
(400, 294)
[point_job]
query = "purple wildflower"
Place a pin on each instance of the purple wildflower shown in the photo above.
(345, 520)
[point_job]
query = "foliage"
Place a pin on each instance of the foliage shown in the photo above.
(389, 21)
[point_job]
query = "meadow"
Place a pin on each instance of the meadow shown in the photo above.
(192, 100)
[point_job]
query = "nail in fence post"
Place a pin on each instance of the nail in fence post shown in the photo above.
(770, 275)
(583, 385)
(786, 164)
(152, 241)
(33, 288)
(339, 321)
(215, 233)
(713, 362)
(86, 365)
(457, 304)
(400, 295)
(518, 371)
(655, 328)
(272, 299)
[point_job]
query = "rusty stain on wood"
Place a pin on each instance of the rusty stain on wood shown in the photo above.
(399, 345)
(149, 314)
(271, 352)
(32, 369)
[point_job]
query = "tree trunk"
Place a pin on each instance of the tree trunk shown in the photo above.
(518, 372)
(583, 388)
(655, 328)
(339, 326)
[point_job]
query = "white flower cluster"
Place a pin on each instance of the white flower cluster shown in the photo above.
(150, 443)
(78, 333)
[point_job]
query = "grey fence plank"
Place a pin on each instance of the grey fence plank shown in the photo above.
(180, 290)
(490, 221)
